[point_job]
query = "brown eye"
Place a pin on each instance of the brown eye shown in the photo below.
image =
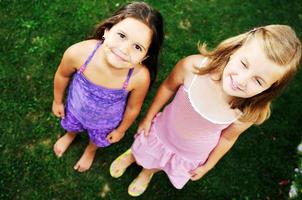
(137, 47)
(121, 35)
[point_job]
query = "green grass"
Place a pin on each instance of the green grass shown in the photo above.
(34, 35)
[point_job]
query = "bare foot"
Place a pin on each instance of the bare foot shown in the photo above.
(85, 161)
(140, 184)
(63, 143)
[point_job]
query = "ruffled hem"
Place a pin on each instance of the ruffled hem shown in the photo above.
(151, 153)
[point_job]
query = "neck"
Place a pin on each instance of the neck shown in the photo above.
(218, 83)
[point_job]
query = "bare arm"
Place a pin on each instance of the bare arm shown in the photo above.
(180, 72)
(134, 104)
(226, 141)
(166, 90)
(61, 80)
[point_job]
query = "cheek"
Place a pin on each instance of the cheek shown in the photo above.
(232, 69)
(137, 57)
(109, 42)
(111, 39)
(225, 74)
(232, 66)
(254, 90)
(227, 68)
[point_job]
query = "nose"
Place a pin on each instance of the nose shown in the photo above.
(242, 80)
(125, 47)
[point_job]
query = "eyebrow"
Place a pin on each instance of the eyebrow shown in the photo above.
(134, 42)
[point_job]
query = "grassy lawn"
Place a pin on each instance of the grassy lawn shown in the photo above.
(34, 35)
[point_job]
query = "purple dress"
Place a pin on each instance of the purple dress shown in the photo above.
(94, 108)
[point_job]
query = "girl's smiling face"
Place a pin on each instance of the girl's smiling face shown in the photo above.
(249, 72)
(127, 43)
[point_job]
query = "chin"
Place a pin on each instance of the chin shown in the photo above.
(230, 92)
(120, 65)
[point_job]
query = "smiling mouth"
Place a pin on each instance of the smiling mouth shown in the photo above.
(234, 85)
(119, 56)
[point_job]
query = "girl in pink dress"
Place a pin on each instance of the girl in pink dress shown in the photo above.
(219, 94)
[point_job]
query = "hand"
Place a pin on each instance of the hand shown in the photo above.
(115, 136)
(198, 173)
(58, 109)
(144, 126)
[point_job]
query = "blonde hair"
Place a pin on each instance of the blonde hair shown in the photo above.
(280, 44)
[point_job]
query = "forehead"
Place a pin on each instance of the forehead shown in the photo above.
(135, 29)
(253, 53)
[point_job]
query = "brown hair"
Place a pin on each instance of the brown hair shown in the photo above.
(280, 44)
(149, 16)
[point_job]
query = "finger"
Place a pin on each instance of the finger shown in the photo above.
(194, 178)
(192, 172)
(57, 114)
(108, 137)
(146, 132)
(63, 114)
(139, 129)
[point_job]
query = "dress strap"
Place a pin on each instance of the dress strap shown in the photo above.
(195, 75)
(130, 72)
(83, 67)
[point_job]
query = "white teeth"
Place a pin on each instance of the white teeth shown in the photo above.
(234, 85)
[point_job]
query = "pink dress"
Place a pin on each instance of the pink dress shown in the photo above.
(180, 139)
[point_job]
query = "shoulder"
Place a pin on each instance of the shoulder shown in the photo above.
(77, 53)
(141, 73)
(140, 76)
(188, 66)
(80, 48)
(195, 61)
(191, 63)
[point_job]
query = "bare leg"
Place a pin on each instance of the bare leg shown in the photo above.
(63, 143)
(86, 160)
(140, 184)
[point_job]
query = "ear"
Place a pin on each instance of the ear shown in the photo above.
(105, 32)
(147, 56)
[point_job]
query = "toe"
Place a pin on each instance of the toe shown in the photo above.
(76, 167)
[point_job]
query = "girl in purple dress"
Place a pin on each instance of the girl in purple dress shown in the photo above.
(109, 77)
(218, 95)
